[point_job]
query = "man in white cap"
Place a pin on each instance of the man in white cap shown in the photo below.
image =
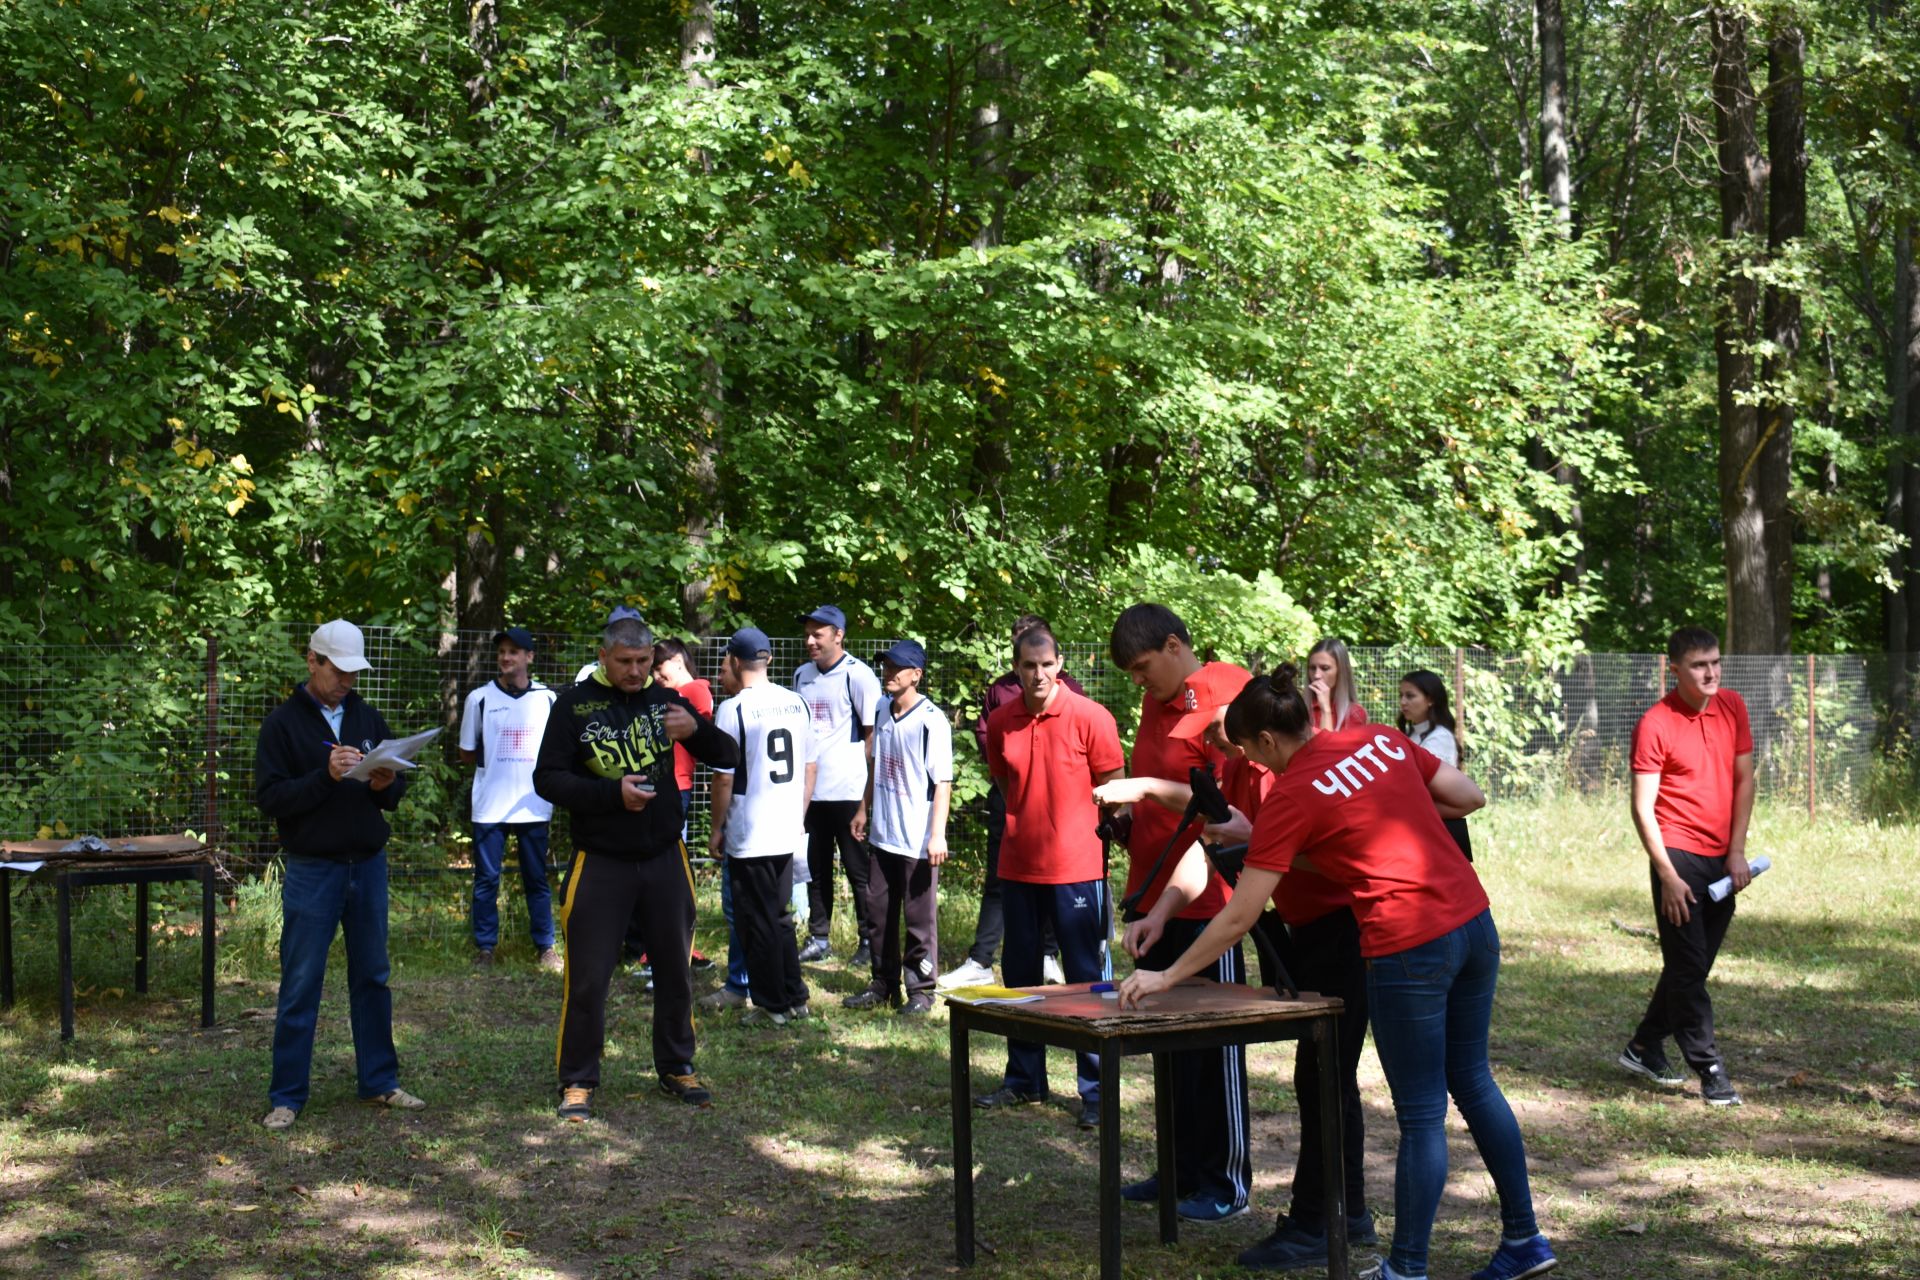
(333, 830)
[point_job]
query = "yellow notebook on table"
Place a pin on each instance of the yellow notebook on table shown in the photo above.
(991, 995)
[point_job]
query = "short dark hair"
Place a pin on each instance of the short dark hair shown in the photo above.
(1690, 640)
(1032, 638)
(669, 647)
(1269, 704)
(1144, 627)
(1027, 622)
(627, 633)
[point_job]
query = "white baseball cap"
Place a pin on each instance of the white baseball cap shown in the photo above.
(341, 643)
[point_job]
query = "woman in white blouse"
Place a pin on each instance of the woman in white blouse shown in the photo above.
(1426, 718)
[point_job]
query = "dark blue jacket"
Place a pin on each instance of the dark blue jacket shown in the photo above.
(318, 817)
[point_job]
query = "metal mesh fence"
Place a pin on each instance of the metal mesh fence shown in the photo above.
(159, 736)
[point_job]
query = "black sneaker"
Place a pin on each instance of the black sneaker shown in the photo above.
(1716, 1089)
(1360, 1229)
(1290, 1248)
(1007, 1096)
(1650, 1062)
(862, 957)
(816, 950)
(874, 997)
(1089, 1115)
(918, 1005)
(687, 1088)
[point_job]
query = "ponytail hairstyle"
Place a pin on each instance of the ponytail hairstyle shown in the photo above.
(669, 647)
(1342, 694)
(1269, 704)
(1434, 690)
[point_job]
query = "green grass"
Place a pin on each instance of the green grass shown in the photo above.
(136, 1151)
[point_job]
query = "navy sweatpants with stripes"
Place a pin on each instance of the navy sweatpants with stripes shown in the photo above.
(1080, 915)
(1210, 1111)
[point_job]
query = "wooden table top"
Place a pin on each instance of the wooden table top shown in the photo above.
(127, 848)
(1197, 1002)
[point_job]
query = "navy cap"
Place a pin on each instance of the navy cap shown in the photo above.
(749, 644)
(624, 611)
(521, 637)
(829, 614)
(905, 653)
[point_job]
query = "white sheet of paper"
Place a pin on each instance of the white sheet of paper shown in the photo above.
(395, 753)
(28, 867)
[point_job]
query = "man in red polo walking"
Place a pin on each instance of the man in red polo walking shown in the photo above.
(1692, 797)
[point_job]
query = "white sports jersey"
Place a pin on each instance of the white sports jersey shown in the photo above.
(504, 730)
(843, 701)
(767, 816)
(912, 754)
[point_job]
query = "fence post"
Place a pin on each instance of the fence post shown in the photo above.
(1460, 693)
(1810, 737)
(213, 739)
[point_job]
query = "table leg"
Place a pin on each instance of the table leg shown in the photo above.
(1109, 1160)
(140, 931)
(64, 904)
(206, 944)
(960, 1068)
(6, 938)
(1326, 1031)
(1164, 1167)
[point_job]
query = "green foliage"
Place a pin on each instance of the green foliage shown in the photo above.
(299, 303)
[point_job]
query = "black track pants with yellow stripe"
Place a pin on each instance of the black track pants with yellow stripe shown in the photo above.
(602, 895)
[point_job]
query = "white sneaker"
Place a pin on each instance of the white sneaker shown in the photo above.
(280, 1118)
(1050, 970)
(970, 974)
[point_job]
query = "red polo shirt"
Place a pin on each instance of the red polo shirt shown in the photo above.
(1156, 755)
(1356, 803)
(1049, 762)
(1693, 752)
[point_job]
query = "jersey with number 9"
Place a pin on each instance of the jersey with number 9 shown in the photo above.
(767, 816)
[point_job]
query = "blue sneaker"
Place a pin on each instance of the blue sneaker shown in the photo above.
(1145, 1191)
(1205, 1207)
(1516, 1260)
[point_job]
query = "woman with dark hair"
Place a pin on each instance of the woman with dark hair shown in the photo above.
(1426, 718)
(1330, 693)
(1362, 807)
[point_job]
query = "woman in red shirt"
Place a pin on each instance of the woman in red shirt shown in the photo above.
(1362, 807)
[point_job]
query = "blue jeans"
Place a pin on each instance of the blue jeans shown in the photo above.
(1431, 1006)
(736, 954)
(317, 897)
(489, 856)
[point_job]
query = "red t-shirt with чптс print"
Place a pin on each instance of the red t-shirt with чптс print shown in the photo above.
(1693, 752)
(1356, 803)
(1047, 764)
(1302, 897)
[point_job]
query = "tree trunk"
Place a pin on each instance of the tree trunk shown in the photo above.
(1755, 620)
(1903, 482)
(1786, 223)
(1556, 168)
(704, 514)
(989, 139)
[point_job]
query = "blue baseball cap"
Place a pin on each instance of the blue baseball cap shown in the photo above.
(519, 636)
(829, 614)
(624, 611)
(905, 653)
(749, 644)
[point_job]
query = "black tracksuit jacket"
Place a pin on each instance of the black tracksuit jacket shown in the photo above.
(597, 734)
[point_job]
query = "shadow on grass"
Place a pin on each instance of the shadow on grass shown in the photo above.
(137, 1150)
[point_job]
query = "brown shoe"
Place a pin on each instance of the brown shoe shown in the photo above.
(576, 1103)
(482, 958)
(687, 1088)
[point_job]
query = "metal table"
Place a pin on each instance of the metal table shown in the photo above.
(1197, 1014)
(142, 861)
